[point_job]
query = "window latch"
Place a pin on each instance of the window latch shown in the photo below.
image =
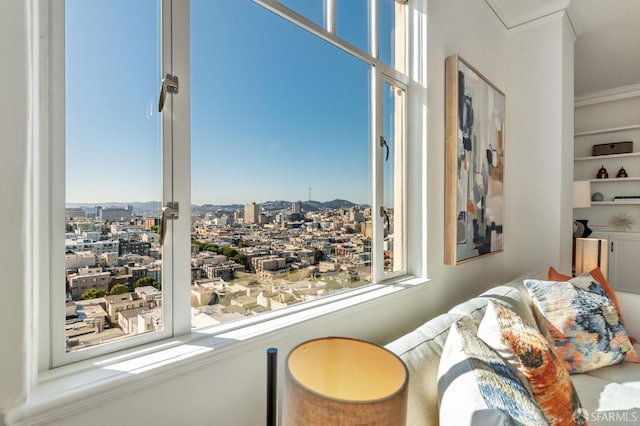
(169, 85)
(169, 212)
(384, 144)
(383, 213)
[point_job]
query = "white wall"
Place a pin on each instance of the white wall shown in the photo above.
(14, 125)
(539, 137)
(470, 29)
(231, 391)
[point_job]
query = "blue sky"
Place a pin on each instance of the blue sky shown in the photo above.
(275, 110)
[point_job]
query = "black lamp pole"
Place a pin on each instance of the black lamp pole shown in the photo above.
(272, 385)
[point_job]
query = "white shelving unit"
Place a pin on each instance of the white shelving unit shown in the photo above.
(586, 166)
(614, 121)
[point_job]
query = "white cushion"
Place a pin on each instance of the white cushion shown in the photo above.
(513, 295)
(598, 394)
(477, 387)
(420, 350)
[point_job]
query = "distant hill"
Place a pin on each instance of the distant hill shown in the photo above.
(309, 206)
(210, 208)
(138, 207)
(149, 207)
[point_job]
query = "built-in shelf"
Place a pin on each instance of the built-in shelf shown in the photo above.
(595, 184)
(606, 157)
(611, 130)
(614, 203)
(607, 180)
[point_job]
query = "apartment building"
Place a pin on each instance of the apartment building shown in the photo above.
(251, 213)
(87, 278)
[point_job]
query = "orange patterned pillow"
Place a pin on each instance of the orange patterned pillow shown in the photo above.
(596, 273)
(530, 354)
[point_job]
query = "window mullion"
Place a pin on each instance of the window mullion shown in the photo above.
(373, 28)
(52, 190)
(291, 16)
(377, 83)
(330, 11)
(179, 122)
(377, 157)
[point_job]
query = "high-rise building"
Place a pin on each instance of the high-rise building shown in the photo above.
(296, 207)
(116, 214)
(251, 213)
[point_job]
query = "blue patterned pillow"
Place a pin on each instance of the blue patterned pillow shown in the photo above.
(583, 323)
(477, 386)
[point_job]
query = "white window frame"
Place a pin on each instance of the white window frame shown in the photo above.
(50, 188)
(48, 200)
(53, 394)
(380, 73)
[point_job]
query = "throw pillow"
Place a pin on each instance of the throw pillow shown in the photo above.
(477, 386)
(583, 323)
(528, 352)
(597, 275)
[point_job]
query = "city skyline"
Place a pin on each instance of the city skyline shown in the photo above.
(157, 204)
(241, 264)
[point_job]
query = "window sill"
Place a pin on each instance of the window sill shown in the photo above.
(76, 387)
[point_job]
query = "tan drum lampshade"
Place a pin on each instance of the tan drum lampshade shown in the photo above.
(341, 381)
(591, 253)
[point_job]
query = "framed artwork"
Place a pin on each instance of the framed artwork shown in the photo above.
(474, 164)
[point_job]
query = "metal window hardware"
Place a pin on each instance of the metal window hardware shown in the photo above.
(169, 212)
(169, 85)
(384, 144)
(383, 213)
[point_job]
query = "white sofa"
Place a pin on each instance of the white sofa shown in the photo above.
(611, 395)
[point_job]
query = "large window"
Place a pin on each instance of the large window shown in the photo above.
(113, 172)
(213, 161)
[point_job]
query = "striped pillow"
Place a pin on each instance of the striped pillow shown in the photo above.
(534, 357)
(477, 386)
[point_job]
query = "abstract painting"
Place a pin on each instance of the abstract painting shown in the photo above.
(474, 163)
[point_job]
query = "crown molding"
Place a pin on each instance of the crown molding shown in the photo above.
(525, 18)
(607, 95)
